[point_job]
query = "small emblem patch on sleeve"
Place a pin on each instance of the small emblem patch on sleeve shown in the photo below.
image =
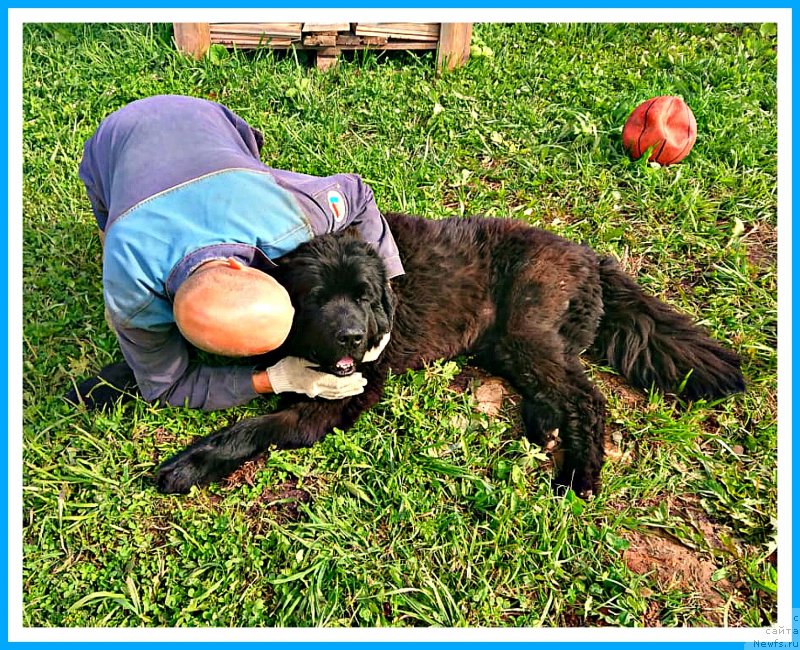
(337, 205)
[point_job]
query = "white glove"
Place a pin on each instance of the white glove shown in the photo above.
(374, 353)
(294, 375)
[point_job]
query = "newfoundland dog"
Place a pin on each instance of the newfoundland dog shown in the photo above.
(524, 302)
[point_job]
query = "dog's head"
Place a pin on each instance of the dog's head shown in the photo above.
(343, 301)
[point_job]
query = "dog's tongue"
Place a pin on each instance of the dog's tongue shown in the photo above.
(345, 363)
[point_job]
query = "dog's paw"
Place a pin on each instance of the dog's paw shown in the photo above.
(178, 474)
(541, 423)
(583, 484)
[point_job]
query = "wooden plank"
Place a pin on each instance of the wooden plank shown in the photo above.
(291, 30)
(420, 31)
(285, 43)
(400, 37)
(193, 39)
(454, 42)
(406, 45)
(326, 40)
(249, 37)
(326, 27)
(240, 42)
(408, 28)
(374, 40)
(348, 39)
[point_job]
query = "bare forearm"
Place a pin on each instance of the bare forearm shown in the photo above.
(261, 382)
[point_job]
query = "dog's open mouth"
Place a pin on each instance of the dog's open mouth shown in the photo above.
(344, 367)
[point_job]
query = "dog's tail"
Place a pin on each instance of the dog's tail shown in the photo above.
(651, 344)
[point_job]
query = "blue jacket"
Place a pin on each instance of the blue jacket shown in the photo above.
(175, 182)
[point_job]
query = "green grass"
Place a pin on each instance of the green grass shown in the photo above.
(427, 512)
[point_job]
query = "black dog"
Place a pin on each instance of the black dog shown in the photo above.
(526, 303)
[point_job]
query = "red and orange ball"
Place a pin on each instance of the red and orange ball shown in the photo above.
(665, 123)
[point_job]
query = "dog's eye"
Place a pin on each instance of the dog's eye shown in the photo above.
(362, 294)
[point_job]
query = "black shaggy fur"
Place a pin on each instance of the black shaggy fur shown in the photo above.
(524, 301)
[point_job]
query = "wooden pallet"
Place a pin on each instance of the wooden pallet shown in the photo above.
(328, 40)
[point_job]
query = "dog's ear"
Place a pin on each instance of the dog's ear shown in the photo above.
(383, 313)
(389, 302)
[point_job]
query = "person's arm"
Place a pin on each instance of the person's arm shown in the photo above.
(336, 202)
(367, 218)
(160, 362)
(92, 182)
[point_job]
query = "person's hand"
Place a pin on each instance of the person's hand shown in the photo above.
(295, 375)
(374, 353)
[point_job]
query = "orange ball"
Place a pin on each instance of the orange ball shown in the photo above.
(666, 122)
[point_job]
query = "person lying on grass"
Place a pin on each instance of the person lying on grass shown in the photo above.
(190, 220)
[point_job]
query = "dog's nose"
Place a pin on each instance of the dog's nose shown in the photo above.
(351, 337)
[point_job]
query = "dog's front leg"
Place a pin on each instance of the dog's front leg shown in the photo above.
(301, 425)
(217, 455)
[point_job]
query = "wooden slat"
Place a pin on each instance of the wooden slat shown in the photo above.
(326, 40)
(347, 38)
(408, 28)
(374, 40)
(325, 61)
(402, 37)
(417, 31)
(274, 29)
(405, 45)
(326, 27)
(241, 42)
(281, 44)
(255, 38)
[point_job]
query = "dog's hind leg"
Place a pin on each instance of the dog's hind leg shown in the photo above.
(557, 395)
(300, 425)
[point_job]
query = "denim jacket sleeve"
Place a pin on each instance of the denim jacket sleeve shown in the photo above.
(92, 181)
(336, 202)
(160, 362)
(369, 221)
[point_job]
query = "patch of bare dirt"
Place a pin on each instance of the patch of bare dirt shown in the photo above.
(281, 503)
(491, 393)
(163, 437)
(489, 396)
(611, 384)
(762, 245)
(469, 378)
(686, 564)
(675, 567)
(246, 474)
(276, 505)
(159, 523)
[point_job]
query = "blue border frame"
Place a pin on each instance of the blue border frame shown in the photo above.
(5, 377)
(414, 4)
